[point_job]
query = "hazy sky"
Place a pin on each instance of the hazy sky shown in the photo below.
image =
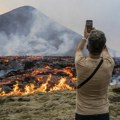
(73, 13)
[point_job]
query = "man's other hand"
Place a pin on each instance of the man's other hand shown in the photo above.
(86, 34)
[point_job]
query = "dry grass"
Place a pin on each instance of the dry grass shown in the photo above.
(59, 105)
(39, 106)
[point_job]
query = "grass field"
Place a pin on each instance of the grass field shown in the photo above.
(58, 105)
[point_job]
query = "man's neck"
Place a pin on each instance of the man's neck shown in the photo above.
(94, 56)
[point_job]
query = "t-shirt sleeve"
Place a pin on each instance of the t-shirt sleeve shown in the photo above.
(110, 61)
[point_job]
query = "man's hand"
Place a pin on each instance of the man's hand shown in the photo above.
(86, 34)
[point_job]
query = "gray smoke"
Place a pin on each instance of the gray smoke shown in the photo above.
(45, 37)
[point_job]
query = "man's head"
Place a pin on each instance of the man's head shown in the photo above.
(96, 42)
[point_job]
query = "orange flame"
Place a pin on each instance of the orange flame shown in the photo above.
(46, 85)
(61, 85)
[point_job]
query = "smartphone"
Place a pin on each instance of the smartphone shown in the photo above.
(89, 25)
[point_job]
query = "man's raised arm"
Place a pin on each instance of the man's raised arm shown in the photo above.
(81, 45)
(105, 53)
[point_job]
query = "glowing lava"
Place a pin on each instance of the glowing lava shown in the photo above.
(45, 81)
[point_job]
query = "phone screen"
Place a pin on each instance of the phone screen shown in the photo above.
(89, 25)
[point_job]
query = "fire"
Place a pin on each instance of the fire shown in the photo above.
(61, 85)
(68, 71)
(42, 79)
(43, 87)
(48, 67)
(30, 88)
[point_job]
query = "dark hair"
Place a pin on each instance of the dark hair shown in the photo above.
(96, 42)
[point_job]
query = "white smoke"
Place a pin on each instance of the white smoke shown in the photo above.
(46, 38)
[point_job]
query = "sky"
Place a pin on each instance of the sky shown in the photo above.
(73, 13)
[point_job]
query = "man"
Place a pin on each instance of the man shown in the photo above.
(91, 99)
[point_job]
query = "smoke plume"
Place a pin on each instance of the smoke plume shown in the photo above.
(33, 33)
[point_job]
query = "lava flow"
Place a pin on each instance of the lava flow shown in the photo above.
(37, 77)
